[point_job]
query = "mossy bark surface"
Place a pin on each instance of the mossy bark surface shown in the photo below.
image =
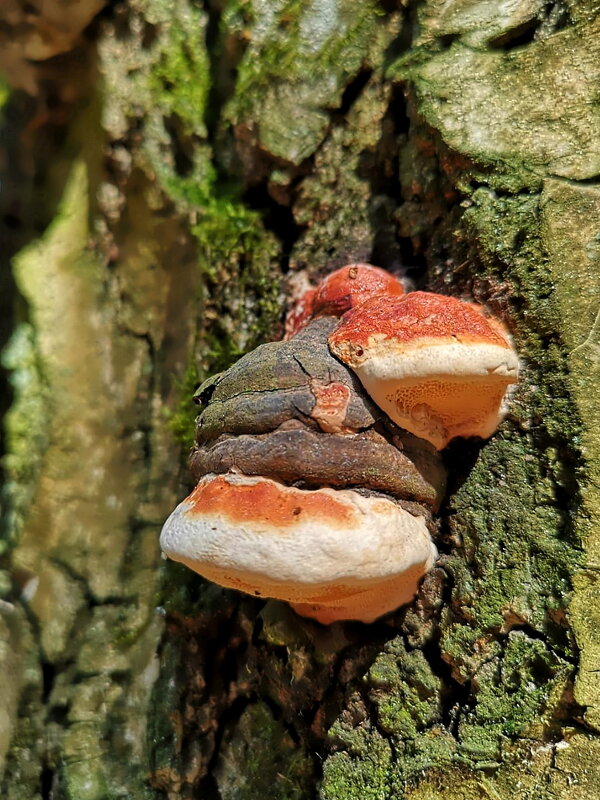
(175, 171)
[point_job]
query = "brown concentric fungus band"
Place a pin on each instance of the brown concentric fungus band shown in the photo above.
(313, 459)
(280, 381)
(272, 414)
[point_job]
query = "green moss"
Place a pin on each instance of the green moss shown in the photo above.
(293, 39)
(180, 79)
(240, 294)
(177, 88)
(181, 418)
(159, 74)
(404, 690)
(508, 577)
(520, 691)
(570, 238)
(236, 255)
(239, 303)
(512, 511)
(407, 698)
(298, 60)
(4, 94)
(26, 434)
(517, 696)
(519, 546)
(259, 759)
(342, 220)
(164, 734)
(568, 770)
(363, 771)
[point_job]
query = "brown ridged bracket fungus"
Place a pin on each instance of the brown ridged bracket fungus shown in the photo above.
(307, 490)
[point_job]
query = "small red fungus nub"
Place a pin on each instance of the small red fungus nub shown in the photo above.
(301, 314)
(352, 285)
(346, 288)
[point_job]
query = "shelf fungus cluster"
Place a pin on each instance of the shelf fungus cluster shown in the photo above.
(317, 459)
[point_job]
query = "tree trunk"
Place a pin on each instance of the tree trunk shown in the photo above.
(170, 170)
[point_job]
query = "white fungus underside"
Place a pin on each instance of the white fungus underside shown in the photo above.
(440, 391)
(357, 572)
(382, 362)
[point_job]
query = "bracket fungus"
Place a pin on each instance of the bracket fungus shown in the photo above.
(319, 486)
(333, 554)
(438, 366)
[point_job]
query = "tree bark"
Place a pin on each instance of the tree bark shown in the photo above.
(171, 172)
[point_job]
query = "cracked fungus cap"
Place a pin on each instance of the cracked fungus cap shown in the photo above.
(333, 554)
(439, 367)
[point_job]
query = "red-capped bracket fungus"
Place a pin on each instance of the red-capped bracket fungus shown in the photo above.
(438, 366)
(338, 292)
(333, 554)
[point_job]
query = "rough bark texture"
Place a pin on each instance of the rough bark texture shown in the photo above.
(168, 170)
